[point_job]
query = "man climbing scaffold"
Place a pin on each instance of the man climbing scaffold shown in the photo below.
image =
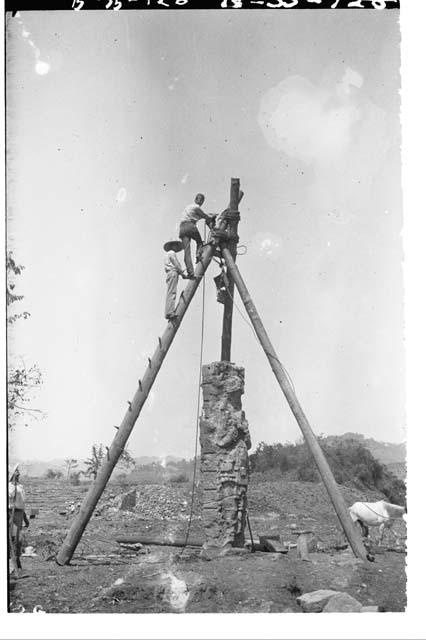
(188, 230)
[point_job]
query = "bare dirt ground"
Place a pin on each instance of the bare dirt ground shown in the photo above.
(104, 577)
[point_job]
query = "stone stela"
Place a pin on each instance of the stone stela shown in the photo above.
(225, 440)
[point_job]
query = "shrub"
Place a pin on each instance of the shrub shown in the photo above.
(53, 474)
(307, 473)
(350, 461)
(75, 478)
(178, 478)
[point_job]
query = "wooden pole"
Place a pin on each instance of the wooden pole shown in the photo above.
(322, 464)
(232, 245)
(144, 387)
(158, 543)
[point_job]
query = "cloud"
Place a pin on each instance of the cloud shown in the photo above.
(350, 79)
(338, 132)
(308, 122)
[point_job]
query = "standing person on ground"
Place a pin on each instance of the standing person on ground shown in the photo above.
(173, 270)
(17, 515)
(188, 230)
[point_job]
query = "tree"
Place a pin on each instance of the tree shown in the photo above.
(98, 454)
(93, 463)
(13, 269)
(70, 463)
(126, 460)
(21, 380)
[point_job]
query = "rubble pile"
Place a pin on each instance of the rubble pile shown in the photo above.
(158, 502)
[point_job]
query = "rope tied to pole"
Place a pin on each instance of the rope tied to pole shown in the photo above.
(200, 373)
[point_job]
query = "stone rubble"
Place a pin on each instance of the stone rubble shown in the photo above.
(330, 601)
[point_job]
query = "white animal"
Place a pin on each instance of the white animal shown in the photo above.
(376, 514)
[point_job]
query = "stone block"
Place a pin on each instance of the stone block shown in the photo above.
(315, 601)
(342, 603)
(272, 544)
(128, 501)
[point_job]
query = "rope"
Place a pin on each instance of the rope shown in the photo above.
(287, 375)
(249, 528)
(380, 515)
(200, 371)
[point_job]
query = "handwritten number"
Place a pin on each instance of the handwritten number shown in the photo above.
(282, 3)
(77, 4)
(379, 4)
(356, 3)
(236, 4)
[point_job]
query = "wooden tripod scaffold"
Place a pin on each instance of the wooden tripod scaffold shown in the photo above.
(227, 242)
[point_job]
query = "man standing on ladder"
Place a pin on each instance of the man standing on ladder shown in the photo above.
(173, 269)
(188, 231)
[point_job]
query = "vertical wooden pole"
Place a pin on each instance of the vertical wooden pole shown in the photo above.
(232, 246)
(322, 464)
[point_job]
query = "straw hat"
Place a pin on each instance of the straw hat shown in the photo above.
(173, 245)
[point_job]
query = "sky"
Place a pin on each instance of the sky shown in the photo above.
(115, 121)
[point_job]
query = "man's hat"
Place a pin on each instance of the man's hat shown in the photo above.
(13, 470)
(173, 245)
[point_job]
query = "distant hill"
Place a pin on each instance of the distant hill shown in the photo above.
(350, 459)
(39, 468)
(390, 454)
(393, 455)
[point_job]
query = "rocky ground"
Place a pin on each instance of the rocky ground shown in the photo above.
(105, 576)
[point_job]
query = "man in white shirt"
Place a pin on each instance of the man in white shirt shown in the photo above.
(17, 515)
(188, 230)
(173, 269)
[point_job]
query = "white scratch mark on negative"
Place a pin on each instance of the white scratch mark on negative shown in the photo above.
(41, 66)
(121, 195)
(173, 84)
(267, 244)
(185, 178)
(178, 592)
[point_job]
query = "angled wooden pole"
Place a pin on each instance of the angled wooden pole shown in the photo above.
(144, 387)
(320, 460)
(235, 198)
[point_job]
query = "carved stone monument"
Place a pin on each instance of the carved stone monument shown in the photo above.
(225, 441)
